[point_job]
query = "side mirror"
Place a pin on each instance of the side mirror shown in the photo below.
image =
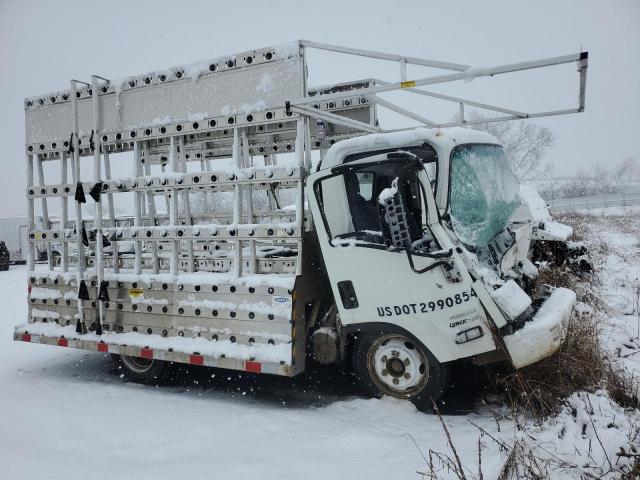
(393, 217)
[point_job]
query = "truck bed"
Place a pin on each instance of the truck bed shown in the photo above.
(200, 318)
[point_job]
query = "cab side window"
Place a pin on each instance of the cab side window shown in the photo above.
(365, 181)
(362, 205)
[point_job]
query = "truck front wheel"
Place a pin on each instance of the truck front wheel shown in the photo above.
(139, 369)
(389, 363)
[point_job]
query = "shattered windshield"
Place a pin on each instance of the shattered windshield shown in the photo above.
(483, 193)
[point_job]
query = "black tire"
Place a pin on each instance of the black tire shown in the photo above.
(375, 353)
(4, 266)
(141, 370)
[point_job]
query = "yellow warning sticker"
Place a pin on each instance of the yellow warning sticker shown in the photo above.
(408, 84)
(38, 236)
(135, 292)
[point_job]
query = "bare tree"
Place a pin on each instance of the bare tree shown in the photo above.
(625, 172)
(525, 145)
(602, 179)
(581, 185)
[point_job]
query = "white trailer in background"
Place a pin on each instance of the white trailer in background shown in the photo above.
(402, 253)
(14, 232)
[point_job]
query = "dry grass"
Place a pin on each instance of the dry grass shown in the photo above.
(558, 277)
(634, 473)
(578, 365)
(579, 222)
(584, 284)
(622, 387)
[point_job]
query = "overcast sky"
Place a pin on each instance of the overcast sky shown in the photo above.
(44, 43)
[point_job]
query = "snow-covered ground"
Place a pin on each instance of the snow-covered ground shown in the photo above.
(67, 414)
(616, 233)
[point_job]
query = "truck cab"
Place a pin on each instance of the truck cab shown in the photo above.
(434, 223)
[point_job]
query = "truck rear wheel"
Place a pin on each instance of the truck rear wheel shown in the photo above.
(389, 363)
(143, 370)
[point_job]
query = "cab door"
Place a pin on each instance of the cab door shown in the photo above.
(375, 283)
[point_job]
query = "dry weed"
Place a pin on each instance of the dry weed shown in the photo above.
(622, 387)
(579, 364)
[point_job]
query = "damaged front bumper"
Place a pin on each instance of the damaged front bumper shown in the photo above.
(541, 336)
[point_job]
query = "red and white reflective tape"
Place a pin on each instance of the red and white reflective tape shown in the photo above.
(194, 358)
(146, 353)
(253, 367)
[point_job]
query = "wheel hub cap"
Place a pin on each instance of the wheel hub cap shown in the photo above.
(397, 366)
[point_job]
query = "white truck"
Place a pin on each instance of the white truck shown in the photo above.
(14, 233)
(272, 224)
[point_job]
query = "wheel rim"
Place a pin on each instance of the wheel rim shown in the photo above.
(397, 366)
(137, 364)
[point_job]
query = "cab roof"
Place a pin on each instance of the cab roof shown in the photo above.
(443, 139)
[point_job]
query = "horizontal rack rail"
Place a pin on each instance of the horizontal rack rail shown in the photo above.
(215, 180)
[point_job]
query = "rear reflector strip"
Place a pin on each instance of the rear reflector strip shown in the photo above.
(196, 360)
(253, 367)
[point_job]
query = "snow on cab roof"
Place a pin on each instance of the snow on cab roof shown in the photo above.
(445, 138)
